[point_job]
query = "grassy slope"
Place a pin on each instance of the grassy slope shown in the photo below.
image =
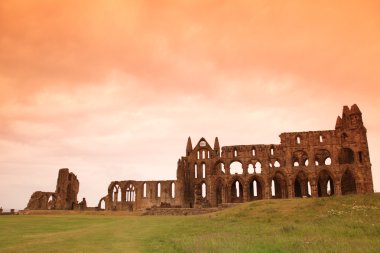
(337, 224)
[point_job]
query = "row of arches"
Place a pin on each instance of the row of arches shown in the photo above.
(203, 154)
(236, 167)
(130, 192)
(253, 152)
(323, 157)
(299, 158)
(236, 190)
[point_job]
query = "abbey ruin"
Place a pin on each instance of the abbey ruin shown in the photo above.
(64, 197)
(304, 164)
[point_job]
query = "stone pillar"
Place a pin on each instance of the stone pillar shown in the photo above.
(245, 169)
(267, 189)
(290, 190)
(314, 187)
(246, 195)
(337, 188)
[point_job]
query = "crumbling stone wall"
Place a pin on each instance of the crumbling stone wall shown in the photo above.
(64, 198)
(41, 201)
(304, 164)
(67, 190)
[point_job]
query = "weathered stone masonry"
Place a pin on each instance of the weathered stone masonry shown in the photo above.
(304, 164)
(64, 197)
(311, 164)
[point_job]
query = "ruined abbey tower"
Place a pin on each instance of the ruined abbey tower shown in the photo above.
(304, 164)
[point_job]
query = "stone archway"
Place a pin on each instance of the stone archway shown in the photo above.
(102, 205)
(256, 187)
(236, 191)
(279, 187)
(301, 184)
(325, 184)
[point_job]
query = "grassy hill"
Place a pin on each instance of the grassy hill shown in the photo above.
(336, 224)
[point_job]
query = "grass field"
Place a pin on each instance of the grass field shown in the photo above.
(336, 224)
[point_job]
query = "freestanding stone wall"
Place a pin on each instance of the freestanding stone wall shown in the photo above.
(64, 197)
(304, 164)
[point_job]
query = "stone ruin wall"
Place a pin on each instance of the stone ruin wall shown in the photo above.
(64, 197)
(123, 195)
(304, 164)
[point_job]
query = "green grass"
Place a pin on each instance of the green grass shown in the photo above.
(336, 224)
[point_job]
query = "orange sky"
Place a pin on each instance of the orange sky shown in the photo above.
(112, 89)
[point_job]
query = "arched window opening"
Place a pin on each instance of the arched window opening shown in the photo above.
(236, 192)
(309, 188)
(198, 155)
(253, 152)
(236, 168)
(251, 169)
(255, 190)
(204, 190)
(325, 184)
(196, 171)
(131, 197)
(173, 190)
(329, 187)
(203, 170)
(144, 191)
(322, 157)
(203, 154)
(277, 164)
(50, 203)
(320, 138)
(346, 156)
(220, 168)
(348, 183)
(159, 190)
(116, 193)
(235, 152)
(279, 186)
(298, 139)
(258, 167)
(300, 158)
(119, 195)
(301, 185)
(270, 165)
(271, 151)
(208, 154)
